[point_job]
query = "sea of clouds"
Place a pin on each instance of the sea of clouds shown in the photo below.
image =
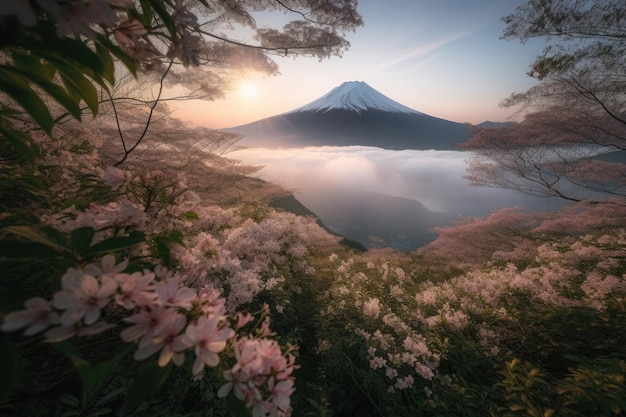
(434, 178)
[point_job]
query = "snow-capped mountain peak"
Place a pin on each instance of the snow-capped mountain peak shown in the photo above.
(355, 96)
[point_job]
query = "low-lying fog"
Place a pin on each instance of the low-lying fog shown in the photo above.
(325, 178)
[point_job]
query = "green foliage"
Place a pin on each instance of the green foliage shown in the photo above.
(147, 384)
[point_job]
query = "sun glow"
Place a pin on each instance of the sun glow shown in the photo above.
(249, 90)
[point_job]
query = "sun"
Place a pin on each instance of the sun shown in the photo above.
(249, 90)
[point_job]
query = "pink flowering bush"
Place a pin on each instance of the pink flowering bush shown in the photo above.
(130, 258)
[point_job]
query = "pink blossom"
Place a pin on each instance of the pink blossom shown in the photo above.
(108, 267)
(170, 293)
(145, 323)
(135, 290)
(82, 297)
(208, 340)
(371, 307)
(238, 382)
(37, 316)
(78, 16)
(115, 178)
(166, 338)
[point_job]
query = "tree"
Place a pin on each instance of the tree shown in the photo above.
(577, 110)
(69, 49)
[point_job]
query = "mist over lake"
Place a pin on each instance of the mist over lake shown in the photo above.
(377, 181)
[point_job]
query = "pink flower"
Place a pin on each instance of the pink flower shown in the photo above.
(168, 340)
(82, 296)
(76, 17)
(243, 319)
(145, 323)
(208, 340)
(107, 267)
(37, 316)
(135, 290)
(281, 393)
(170, 294)
(237, 382)
(115, 178)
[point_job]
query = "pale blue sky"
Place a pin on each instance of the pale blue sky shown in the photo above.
(440, 57)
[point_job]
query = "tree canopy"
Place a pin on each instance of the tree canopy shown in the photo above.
(580, 100)
(67, 50)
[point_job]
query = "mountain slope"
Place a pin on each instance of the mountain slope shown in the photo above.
(354, 114)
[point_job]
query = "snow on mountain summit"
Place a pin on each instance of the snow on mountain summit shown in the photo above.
(355, 96)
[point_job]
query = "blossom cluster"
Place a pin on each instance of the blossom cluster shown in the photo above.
(189, 310)
(374, 291)
(164, 315)
(262, 376)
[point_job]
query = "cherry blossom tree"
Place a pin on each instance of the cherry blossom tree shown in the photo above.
(577, 110)
(70, 49)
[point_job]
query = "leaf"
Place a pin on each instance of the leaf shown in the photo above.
(146, 385)
(126, 59)
(81, 238)
(19, 90)
(73, 73)
(237, 407)
(35, 235)
(93, 375)
(114, 244)
(82, 87)
(165, 16)
(21, 142)
(54, 90)
(79, 52)
(108, 71)
(191, 215)
(9, 363)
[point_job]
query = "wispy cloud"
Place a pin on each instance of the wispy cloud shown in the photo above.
(421, 51)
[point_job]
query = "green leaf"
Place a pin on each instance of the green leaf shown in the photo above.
(9, 363)
(71, 353)
(82, 86)
(166, 17)
(237, 407)
(79, 52)
(36, 235)
(108, 72)
(147, 12)
(126, 59)
(160, 248)
(81, 238)
(114, 244)
(19, 141)
(36, 73)
(93, 375)
(73, 73)
(19, 90)
(191, 215)
(146, 385)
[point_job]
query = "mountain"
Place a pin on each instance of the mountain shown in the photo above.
(354, 114)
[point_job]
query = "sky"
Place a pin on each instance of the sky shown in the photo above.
(444, 58)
